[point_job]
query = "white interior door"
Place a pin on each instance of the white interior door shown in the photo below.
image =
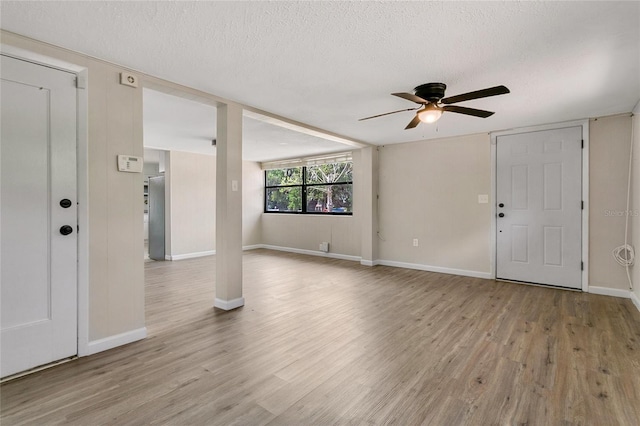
(38, 279)
(539, 207)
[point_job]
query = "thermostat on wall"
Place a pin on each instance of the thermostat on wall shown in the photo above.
(127, 163)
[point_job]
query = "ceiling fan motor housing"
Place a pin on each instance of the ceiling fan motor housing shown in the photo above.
(432, 92)
(431, 97)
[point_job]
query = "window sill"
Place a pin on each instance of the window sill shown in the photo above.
(308, 214)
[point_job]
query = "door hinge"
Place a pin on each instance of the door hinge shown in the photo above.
(81, 83)
(582, 205)
(582, 143)
(582, 266)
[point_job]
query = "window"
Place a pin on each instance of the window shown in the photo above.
(318, 189)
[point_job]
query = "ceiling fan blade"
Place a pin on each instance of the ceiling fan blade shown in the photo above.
(387, 113)
(468, 111)
(484, 93)
(413, 123)
(411, 97)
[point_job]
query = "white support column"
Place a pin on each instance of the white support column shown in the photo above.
(229, 208)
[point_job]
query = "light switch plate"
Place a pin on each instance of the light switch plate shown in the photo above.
(483, 198)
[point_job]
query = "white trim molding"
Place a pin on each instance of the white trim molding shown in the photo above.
(111, 342)
(228, 305)
(208, 253)
(39, 59)
(190, 255)
(313, 253)
(635, 300)
(585, 207)
(369, 262)
(606, 291)
(439, 269)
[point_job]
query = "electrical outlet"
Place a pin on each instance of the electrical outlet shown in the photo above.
(415, 242)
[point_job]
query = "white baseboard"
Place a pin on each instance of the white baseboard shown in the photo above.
(190, 255)
(207, 253)
(439, 269)
(466, 273)
(606, 291)
(228, 305)
(313, 252)
(111, 342)
(635, 300)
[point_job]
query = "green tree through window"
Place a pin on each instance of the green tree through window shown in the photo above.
(326, 188)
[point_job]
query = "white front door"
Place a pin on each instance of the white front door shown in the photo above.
(539, 207)
(38, 206)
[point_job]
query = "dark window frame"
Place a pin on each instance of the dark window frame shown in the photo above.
(303, 188)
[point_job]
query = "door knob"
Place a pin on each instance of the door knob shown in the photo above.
(500, 214)
(501, 205)
(66, 229)
(65, 203)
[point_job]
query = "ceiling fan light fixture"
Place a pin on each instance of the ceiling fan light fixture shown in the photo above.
(430, 97)
(430, 115)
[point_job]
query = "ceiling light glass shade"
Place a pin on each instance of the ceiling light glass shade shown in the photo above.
(430, 115)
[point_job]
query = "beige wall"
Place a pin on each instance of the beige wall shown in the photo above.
(454, 230)
(116, 280)
(429, 191)
(306, 232)
(635, 206)
(191, 191)
(367, 192)
(252, 203)
(608, 174)
(191, 206)
(115, 220)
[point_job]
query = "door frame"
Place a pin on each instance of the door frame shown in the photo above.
(82, 170)
(584, 124)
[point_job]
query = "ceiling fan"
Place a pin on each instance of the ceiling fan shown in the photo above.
(432, 102)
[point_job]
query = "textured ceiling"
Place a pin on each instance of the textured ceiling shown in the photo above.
(178, 124)
(329, 63)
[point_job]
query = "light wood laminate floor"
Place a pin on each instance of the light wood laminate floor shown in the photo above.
(324, 341)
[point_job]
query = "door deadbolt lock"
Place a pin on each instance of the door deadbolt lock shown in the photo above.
(65, 203)
(66, 229)
(501, 205)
